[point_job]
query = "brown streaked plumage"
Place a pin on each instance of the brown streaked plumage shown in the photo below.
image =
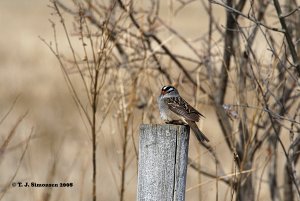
(174, 109)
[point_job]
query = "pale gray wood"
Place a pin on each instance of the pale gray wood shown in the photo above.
(162, 166)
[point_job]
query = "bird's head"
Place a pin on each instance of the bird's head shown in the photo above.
(168, 90)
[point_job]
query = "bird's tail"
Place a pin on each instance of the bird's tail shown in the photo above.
(199, 135)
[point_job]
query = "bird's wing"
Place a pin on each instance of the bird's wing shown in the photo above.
(179, 106)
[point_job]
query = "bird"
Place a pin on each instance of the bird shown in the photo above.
(175, 110)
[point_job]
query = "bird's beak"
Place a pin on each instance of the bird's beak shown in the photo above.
(163, 92)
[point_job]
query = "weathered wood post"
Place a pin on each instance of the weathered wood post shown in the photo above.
(162, 166)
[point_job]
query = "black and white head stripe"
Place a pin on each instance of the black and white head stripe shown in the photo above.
(168, 89)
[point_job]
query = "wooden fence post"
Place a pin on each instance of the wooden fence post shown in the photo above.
(162, 165)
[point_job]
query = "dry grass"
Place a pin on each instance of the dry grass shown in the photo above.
(46, 135)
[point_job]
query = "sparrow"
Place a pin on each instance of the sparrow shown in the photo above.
(175, 110)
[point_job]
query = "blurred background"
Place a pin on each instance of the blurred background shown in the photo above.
(237, 72)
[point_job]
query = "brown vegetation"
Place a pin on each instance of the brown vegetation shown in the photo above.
(241, 73)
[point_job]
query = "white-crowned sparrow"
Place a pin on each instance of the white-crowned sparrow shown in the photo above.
(175, 110)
